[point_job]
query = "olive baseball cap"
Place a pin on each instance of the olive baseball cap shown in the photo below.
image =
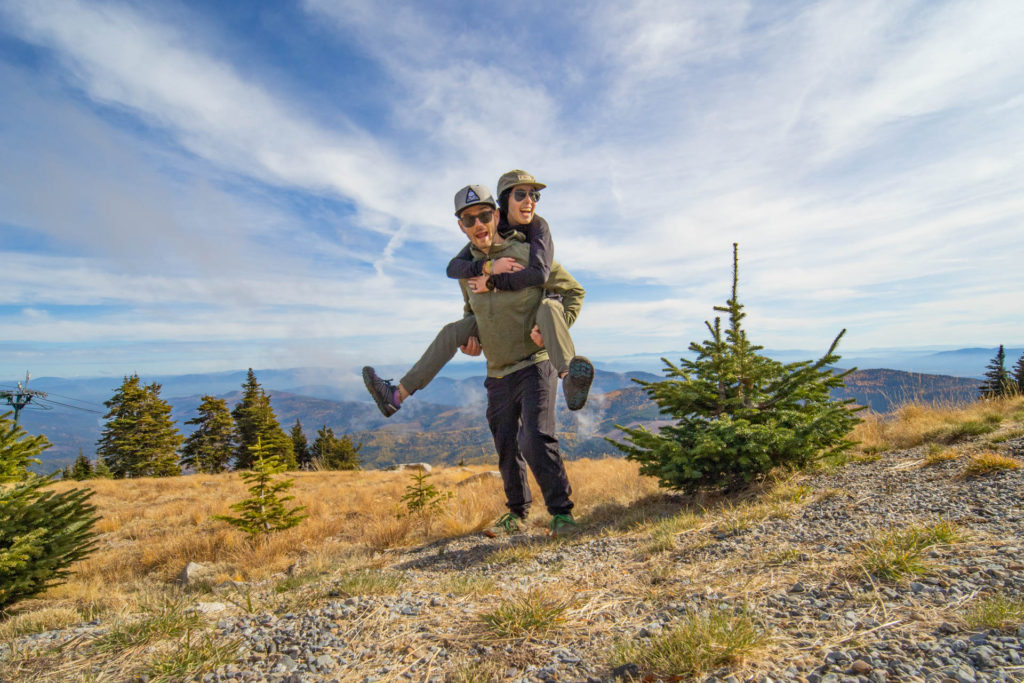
(517, 177)
(471, 195)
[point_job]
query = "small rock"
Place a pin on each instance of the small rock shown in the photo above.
(490, 475)
(627, 670)
(285, 664)
(192, 572)
(797, 588)
(210, 607)
(965, 674)
(860, 668)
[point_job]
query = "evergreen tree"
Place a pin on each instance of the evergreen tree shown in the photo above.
(17, 450)
(300, 446)
(209, 449)
(100, 470)
(739, 414)
(331, 453)
(41, 532)
(264, 511)
(82, 469)
(1018, 375)
(139, 439)
(255, 422)
(997, 379)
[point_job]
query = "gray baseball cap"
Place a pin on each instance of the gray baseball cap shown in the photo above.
(471, 195)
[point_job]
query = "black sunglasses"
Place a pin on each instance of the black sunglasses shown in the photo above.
(484, 217)
(520, 195)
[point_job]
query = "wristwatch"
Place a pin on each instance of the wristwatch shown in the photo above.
(490, 284)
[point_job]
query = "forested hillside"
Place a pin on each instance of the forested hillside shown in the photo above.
(445, 423)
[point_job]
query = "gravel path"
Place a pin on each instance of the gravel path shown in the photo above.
(795, 569)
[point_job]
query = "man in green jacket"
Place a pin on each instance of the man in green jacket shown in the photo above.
(522, 383)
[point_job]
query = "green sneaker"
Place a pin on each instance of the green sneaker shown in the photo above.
(563, 525)
(507, 524)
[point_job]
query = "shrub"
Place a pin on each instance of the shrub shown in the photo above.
(739, 414)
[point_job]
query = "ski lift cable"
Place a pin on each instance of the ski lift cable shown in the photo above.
(87, 410)
(72, 398)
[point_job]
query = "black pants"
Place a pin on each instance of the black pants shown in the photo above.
(521, 414)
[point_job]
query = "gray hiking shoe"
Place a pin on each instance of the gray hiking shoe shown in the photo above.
(507, 525)
(576, 383)
(563, 525)
(382, 391)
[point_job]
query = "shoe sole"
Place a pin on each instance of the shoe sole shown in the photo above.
(581, 371)
(386, 409)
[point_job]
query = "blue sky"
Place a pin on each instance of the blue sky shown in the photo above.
(203, 186)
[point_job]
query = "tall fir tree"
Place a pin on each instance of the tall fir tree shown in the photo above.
(300, 446)
(331, 453)
(41, 532)
(209, 448)
(255, 422)
(997, 379)
(1018, 375)
(139, 438)
(18, 450)
(737, 413)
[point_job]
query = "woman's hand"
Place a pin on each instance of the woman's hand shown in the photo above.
(478, 284)
(506, 264)
(536, 337)
(471, 347)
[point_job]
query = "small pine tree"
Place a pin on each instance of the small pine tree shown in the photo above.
(328, 452)
(100, 470)
(82, 469)
(18, 450)
(1018, 375)
(264, 511)
(422, 497)
(255, 421)
(997, 379)
(209, 449)
(139, 439)
(41, 532)
(300, 446)
(739, 414)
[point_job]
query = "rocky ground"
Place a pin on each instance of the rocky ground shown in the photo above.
(795, 561)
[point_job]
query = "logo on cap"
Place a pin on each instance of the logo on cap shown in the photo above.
(471, 196)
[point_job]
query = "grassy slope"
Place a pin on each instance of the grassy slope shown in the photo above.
(152, 527)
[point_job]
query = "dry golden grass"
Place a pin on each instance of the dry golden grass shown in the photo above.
(150, 528)
(915, 423)
(986, 463)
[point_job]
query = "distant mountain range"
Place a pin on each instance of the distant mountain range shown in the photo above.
(443, 423)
